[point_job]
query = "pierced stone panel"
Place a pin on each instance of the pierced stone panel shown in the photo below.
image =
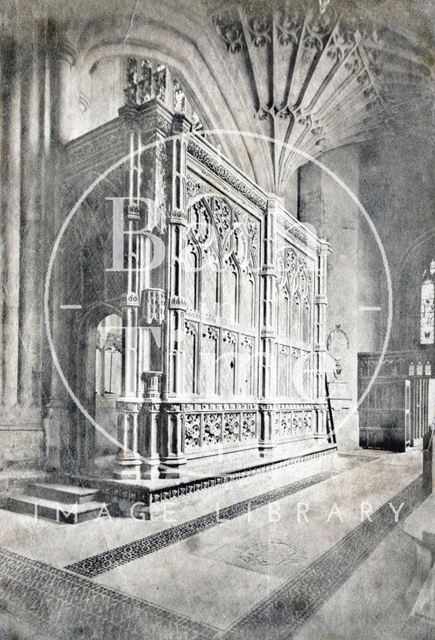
(249, 431)
(231, 433)
(192, 431)
(225, 429)
(212, 431)
(294, 423)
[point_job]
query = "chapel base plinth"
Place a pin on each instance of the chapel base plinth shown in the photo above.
(172, 468)
(150, 469)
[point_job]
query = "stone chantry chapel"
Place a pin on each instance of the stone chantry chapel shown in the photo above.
(217, 292)
(217, 275)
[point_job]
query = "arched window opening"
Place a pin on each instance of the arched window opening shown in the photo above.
(109, 349)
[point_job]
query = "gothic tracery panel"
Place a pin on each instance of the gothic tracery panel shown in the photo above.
(221, 285)
(294, 291)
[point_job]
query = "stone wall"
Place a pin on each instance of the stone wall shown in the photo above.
(391, 176)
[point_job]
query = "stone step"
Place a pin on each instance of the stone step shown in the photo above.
(54, 510)
(68, 494)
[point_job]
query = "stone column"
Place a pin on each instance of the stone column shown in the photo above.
(62, 448)
(429, 459)
(31, 289)
(28, 203)
(153, 314)
(11, 234)
(4, 50)
(176, 251)
(151, 418)
(320, 305)
(268, 329)
(172, 443)
(128, 460)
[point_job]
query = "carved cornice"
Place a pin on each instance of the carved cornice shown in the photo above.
(228, 176)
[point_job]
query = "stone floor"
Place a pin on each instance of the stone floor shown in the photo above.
(309, 551)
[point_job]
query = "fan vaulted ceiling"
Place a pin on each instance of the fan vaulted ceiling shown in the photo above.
(318, 75)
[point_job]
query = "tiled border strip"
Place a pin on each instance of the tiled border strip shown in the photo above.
(280, 615)
(66, 606)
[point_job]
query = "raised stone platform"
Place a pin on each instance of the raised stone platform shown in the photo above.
(200, 475)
